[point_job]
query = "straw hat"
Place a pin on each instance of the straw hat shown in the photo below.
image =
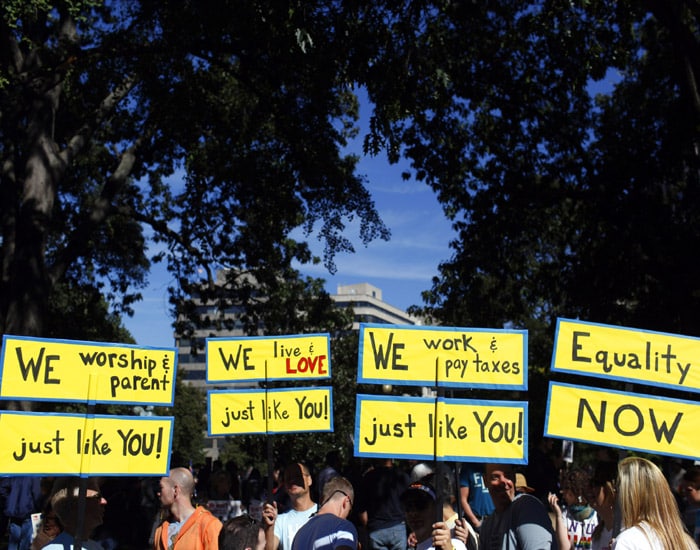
(521, 484)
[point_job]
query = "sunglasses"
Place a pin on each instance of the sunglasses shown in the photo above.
(333, 493)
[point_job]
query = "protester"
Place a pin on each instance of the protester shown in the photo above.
(48, 528)
(220, 501)
(242, 533)
(575, 524)
(380, 506)
(421, 502)
(602, 498)
(280, 529)
(518, 523)
(251, 490)
(474, 495)
(22, 497)
(691, 487)
(187, 528)
(444, 485)
(64, 502)
(650, 516)
(673, 470)
(330, 529)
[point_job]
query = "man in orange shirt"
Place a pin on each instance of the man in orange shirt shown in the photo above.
(187, 528)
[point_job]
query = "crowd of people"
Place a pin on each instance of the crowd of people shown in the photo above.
(382, 504)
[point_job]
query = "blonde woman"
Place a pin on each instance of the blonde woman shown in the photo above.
(650, 516)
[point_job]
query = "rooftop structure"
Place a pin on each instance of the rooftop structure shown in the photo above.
(368, 306)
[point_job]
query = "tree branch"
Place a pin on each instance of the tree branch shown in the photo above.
(162, 228)
(82, 136)
(77, 244)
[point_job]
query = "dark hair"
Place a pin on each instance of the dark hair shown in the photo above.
(604, 472)
(577, 481)
(239, 533)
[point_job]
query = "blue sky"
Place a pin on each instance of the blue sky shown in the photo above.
(402, 267)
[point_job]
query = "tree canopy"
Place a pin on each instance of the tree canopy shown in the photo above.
(210, 133)
(561, 138)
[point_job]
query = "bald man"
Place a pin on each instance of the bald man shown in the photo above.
(187, 527)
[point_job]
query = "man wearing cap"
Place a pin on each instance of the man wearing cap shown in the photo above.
(280, 529)
(518, 523)
(422, 504)
(330, 529)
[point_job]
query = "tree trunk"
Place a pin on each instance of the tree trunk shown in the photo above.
(29, 282)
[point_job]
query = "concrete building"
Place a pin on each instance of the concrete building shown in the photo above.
(364, 298)
(368, 306)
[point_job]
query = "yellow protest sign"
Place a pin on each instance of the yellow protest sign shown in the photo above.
(275, 411)
(400, 427)
(621, 419)
(446, 357)
(71, 444)
(617, 353)
(42, 369)
(495, 431)
(445, 429)
(259, 358)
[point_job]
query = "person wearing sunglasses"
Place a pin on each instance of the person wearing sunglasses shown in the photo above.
(329, 528)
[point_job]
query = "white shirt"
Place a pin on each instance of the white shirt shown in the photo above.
(287, 525)
(427, 544)
(580, 531)
(639, 537)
